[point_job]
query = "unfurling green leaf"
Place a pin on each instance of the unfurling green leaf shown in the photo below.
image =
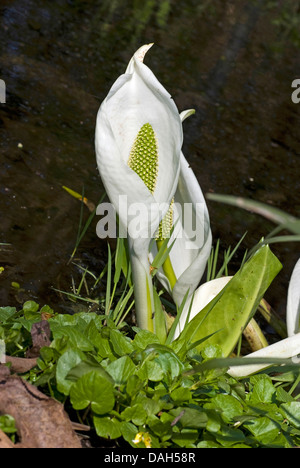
(228, 313)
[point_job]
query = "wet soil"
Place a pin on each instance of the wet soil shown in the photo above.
(226, 59)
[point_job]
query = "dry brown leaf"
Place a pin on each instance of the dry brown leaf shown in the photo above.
(40, 420)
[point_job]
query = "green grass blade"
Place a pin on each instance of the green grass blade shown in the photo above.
(275, 215)
(108, 283)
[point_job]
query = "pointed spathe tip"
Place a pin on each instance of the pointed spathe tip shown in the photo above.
(141, 52)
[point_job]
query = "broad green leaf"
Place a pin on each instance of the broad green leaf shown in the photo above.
(181, 394)
(65, 363)
(185, 438)
(150, 370)
(86, 366)
(228, 313)
(93, 389)
(107, 427)
(161, 426)
(263, 390)
(143, 338)
(208, 444)
(190, 417)
(230, 436)
(283, 395)
(100, 342)
(129, 431)
(292, 412)
(264, 429)
(150, 405)
(134, 385)
(77, 338)
(30, 306)
(136, 413)
(167, 359)
(121, 369)
(7, 424)
(229, 406)
(6, 313)
(121, 343)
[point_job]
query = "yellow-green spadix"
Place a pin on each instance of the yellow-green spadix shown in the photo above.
(138, 142)
(191, 238)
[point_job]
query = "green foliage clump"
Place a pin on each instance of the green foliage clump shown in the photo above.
(131, 388)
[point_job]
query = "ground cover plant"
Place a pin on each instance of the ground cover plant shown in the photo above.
(155, 360)
(127, 387)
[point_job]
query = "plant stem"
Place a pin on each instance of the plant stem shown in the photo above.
(143, 289)
(270, 316)
(255, 336)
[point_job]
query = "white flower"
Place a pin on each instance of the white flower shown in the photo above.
(203, 295)
(293, 302)
(138, 143)
(138, 108)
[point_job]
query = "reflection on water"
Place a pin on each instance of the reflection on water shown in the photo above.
(228, 60)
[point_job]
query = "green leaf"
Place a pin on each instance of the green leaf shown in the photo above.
(6, 313)
(121, 343)
(185, 438)
(143, 338)
(107, 427)
(77, 339)
(7, 424)
(229, 436)
(190, 417)
(93, 389)
(228, 313)
(121, 369)
(30, 306)
(129, 431)
(134, 385)
(150, 370)
(264, 429)
(229, 406)
(136, 413)
(292, 412)
(64, 364)
(263, 390)
(167, 359)
(100, 342)
(181, 394)
(86, 366)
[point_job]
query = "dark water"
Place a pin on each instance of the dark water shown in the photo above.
(226, 59)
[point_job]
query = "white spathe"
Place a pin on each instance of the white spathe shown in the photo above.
(293, 302)
(137, 98)
(283, 349)
(203, 295)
